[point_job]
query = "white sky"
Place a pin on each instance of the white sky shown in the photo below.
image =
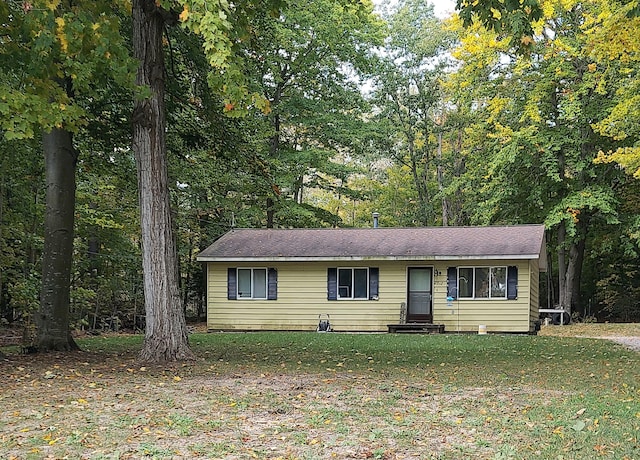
(442, 8)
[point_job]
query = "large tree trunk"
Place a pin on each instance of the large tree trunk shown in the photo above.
(4, 307)
(60, 172)
(166, 331)
(570, 259)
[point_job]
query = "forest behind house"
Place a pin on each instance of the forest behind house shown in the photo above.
(329, 111)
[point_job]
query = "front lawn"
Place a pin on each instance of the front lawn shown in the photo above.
(310, 395)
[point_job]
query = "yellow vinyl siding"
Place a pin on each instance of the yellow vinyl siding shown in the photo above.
(498, 315)
(302, 296)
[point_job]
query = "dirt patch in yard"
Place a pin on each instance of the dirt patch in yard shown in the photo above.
(79, 406)
(311, 396)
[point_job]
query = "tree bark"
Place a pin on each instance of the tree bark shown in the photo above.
(274, 148)
(577, 253)
(166, 336)
(60, 172)
(4, 308)
(562, 264)
(570, 265)
(440, 175)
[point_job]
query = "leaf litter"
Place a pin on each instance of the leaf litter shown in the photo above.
(89, 410)
(93, 405)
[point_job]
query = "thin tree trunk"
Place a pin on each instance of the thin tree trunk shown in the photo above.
(187, 279)
(274, 148)
(572, 271)
(440, 173)
(420, 183)
(60, 172)
(562, 264)
(166, 336)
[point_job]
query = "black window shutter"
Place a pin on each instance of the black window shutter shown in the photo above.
(232, 290)
(452, 282)
(332, 283)
(373, 283)
(272, 284)
(512, 282)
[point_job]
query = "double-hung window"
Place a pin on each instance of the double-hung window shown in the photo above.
(352, 283)
(484, 282)
(252, 283)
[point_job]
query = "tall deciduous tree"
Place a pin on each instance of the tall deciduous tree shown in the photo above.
(411, 102)
(539, 114)
(166, 331)
(54, 55)
(306, 63)
(219, 26)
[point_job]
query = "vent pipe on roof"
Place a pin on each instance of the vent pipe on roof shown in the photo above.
(375, 219)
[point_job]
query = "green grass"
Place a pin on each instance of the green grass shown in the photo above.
(315, 396)
(495, 360)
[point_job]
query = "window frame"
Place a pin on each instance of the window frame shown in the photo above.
(252, 280)
(491, 271)
(353, 283)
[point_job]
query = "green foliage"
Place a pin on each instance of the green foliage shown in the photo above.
(269, 105)
(54, 55)
(534, 155)
(225, 29)
(411, 109)
(21, 216)
(513, 18)
(305, 63)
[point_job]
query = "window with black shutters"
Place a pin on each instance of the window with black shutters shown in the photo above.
(352, 283)
(252, 283)
(482, 282)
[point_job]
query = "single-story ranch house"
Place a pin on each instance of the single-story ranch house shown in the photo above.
(367, 278)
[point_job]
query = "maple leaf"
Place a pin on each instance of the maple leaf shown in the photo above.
(185, 14)
(526, 40)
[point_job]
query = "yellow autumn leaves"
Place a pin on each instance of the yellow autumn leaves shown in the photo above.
(61, 34)
(185, 14)
(52, 4)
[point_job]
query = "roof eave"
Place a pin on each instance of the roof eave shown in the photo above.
(366, 258)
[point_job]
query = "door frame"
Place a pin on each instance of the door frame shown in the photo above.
(419, 318)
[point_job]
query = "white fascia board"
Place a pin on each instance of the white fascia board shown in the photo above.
(362, 258)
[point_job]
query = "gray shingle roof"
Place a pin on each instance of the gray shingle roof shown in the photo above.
(422, 243)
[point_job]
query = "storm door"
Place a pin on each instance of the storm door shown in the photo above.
(419, 305)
